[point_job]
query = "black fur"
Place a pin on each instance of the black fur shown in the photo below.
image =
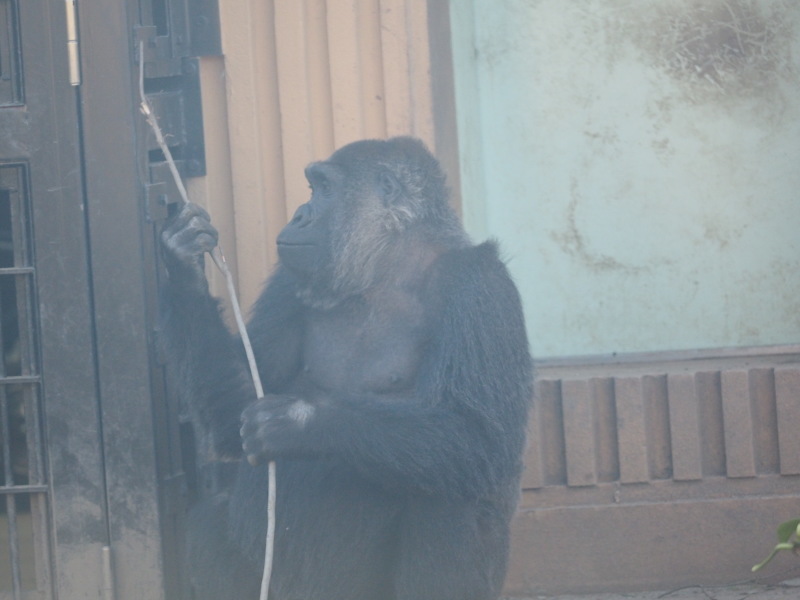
(398, 379)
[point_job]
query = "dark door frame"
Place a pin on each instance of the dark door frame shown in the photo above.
(41, 139)
(122, 267)
(76, 153)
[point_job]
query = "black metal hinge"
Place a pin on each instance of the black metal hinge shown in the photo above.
(181, 31)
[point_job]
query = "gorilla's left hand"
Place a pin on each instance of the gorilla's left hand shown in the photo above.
(270, 426)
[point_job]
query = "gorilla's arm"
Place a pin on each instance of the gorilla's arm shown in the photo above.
(207, 362)
(463, 430)
(205, 366)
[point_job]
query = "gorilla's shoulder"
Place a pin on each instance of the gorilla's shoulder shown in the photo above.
(481, 262)
(475, 276)
(486, 254)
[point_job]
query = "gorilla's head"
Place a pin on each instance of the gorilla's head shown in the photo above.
(369, 201)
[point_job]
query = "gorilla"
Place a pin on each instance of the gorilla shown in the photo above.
(397, 376)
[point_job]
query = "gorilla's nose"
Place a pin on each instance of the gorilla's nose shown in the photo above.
(303, 216)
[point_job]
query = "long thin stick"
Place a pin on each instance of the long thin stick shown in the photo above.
(219, 260)
(222, 265)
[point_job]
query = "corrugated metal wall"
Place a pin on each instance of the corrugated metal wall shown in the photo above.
(301, 78)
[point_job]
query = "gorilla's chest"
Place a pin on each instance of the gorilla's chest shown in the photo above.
(362, 347)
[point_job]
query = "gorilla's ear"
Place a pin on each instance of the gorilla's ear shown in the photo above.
(390, 187)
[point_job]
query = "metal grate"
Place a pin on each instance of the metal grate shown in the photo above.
(24, 551)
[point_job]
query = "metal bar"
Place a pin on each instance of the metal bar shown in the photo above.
(24, 376)
(2, 344)
(16, 271)
(41, 541)
(29, 369)
(17, 196)
(5, 432)
(13, 543)
(11, 506)
(19, 379)
(35, 441)
(5, 448)
(23, 489)
(20, 217)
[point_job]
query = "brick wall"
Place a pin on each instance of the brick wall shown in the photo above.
(657, 471)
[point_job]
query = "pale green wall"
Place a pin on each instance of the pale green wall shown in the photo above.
(639, 162)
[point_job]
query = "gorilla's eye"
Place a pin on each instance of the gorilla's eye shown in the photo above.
(321, 185)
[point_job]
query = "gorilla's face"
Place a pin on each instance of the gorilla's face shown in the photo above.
(334, 240)
(362, 200)
(304, 245)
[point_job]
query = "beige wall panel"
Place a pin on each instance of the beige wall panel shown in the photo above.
(319, 86)
(372, 69)
(214, 191)
(293, 92)
(304, 91)
(345, 54)
(397, 69)
(254, 130)
(303, 78)
(420, 65)
(406, 58)
(354, 43)
(407, 81)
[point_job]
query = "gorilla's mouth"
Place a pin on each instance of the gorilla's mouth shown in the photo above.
(298, 256)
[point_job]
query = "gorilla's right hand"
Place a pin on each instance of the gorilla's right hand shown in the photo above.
(186, 237)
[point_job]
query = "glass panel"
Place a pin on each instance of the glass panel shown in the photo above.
(23, 532)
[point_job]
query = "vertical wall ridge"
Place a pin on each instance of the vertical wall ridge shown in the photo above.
(683, 424)
(661, 450)
(303, 78)
(787, 384)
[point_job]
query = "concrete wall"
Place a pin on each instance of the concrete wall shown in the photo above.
(638, 161)
(657, 473)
